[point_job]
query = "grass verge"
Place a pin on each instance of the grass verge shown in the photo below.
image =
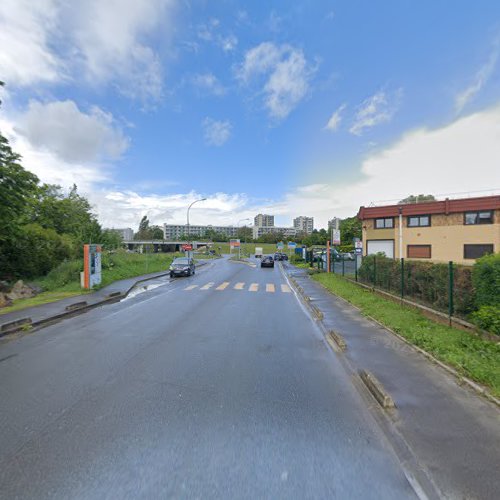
(64, 280)
(473, 357)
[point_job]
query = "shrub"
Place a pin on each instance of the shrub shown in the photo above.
(486, 280)
(488, 318)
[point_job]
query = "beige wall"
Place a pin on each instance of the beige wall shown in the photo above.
(447, 236)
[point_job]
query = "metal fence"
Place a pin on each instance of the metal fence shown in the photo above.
(445, 287)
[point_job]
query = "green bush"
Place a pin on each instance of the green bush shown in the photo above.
(486, 280)
(488, 318)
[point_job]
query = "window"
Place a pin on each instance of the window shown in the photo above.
(419, 221)
(418, 251)
(386, 223)
(484, 217)
(476, 251)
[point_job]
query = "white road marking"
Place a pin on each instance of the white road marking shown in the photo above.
(207, 286)
(239, 286)
(191, 287)
(254, 287)
(223, 285)
(285, 288)
(270, 287)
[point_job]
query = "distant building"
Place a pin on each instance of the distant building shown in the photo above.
(174, 232)
(334, 223)
(127, 234)
(303, 224)
(264, 220)
(286, 231)
(459, 230)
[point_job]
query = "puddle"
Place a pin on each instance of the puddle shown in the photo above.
(142, 289)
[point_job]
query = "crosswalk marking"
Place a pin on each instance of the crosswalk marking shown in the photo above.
(207, 286)
(285, 288)
(254, 287)
(239, 286)
(223, 285)
(190, 287)
(270, 287)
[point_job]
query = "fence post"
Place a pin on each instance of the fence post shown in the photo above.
(450, 290)
(356, 267)
(374, 270)
(343, 265)
(402, 277)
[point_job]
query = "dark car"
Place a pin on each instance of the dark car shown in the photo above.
(284, 256)
(182, 266)
(267, 261)
(278, 256)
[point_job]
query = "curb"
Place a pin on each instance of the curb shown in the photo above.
(71, 310)
(377, 389)
(461, 379)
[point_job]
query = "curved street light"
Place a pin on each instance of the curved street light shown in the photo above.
(195, 201)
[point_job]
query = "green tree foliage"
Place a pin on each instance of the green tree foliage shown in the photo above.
(144, 232)
(486, 280)
(156, 233)
(111, 239)
(418, 198)
(350, 228)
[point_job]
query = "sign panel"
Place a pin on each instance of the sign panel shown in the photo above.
(358, 251)
(335, 236)
(358, 244)
(280, 245)
(292, 245)
(234, 243)
(91, 265)
(187, 247)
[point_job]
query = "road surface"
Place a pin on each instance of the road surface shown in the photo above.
(214, 386)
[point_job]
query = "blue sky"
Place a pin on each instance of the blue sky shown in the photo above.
(293, 108)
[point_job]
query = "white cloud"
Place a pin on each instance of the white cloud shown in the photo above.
(72, 135)
(460, 157)
(284, 72)
(209, 83)
(334, 121)
(377, 109)
(99, 42)
(481, 77)
(228, 43)
(26, 28)
(216, 133)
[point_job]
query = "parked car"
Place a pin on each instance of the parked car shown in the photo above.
(182, 266)
(267, 261)
(347, 256)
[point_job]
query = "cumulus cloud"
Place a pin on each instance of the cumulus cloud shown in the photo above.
(26, 29)
(284, 73)
(461, 156)
(377, 109)
(480, 79)
(209, 83)
(103, 42)
(72, 135)
(216, 132)
(335, 119)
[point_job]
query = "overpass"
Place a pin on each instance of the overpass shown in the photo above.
(161, 245)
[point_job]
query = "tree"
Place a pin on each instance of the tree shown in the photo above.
(156, 232)
(419, 198)
(350, 228)
(111, 239)
(144, 232)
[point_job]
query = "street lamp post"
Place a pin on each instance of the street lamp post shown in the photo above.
(188, 231)
(238, 226)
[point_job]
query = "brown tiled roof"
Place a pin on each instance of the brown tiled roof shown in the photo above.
(432, 207)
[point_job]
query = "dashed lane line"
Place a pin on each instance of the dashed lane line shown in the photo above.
(223, 286)
(207, 286)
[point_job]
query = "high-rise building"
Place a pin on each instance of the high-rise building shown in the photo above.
(127, 233)
(304, 224)
(174, 232)
(264, 220)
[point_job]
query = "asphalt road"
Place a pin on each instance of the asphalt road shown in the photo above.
(214, 386)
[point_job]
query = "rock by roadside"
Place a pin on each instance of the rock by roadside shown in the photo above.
(18, 291)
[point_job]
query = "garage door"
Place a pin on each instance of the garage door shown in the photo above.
(385, 246)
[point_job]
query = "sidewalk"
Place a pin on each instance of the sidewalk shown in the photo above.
(52, 310)
(451, 431)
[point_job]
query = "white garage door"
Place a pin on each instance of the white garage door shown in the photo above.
(385, 246)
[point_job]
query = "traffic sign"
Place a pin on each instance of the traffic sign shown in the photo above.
(187, 247)
(234, 243)
(280, 245)
(292, 245)
(358, 244)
